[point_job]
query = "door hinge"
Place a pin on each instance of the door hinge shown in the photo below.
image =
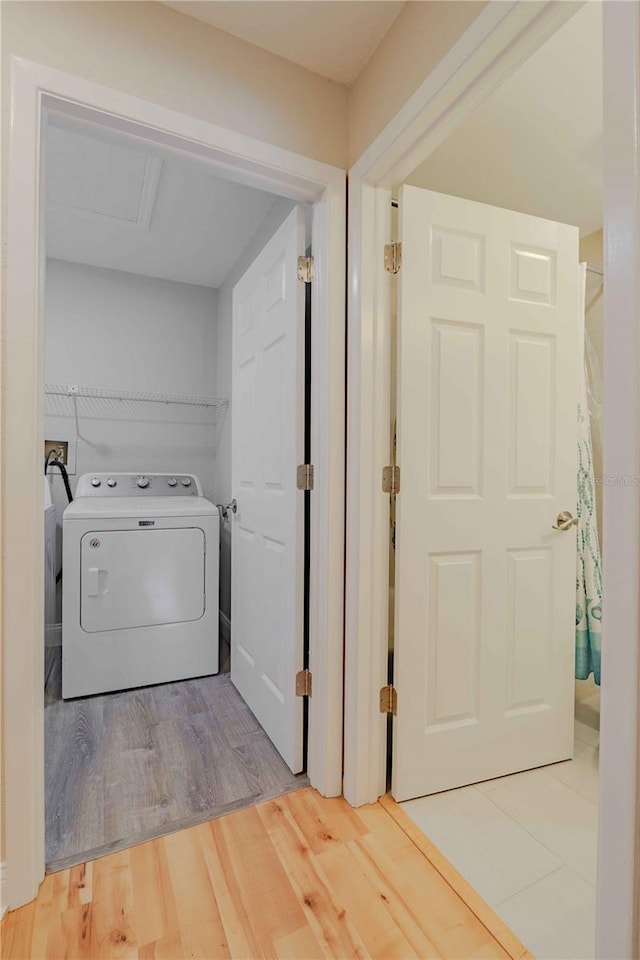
(388, 699)
(305, 269)
(392, 257)
(303, 683)
(305, 476)
(391, 479)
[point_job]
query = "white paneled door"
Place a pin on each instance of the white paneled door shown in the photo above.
(267, 403)
(489, 351)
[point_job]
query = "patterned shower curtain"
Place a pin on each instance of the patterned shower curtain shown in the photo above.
(589, 568)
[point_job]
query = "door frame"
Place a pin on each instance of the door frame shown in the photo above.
(501, 38)
(244, 159)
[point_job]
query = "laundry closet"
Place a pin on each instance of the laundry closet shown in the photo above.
(174, 394)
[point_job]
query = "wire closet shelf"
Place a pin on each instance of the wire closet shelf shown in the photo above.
(99, 403)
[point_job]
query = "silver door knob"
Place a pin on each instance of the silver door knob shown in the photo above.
(565, 521)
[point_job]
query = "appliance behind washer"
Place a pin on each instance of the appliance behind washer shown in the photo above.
(140, 583)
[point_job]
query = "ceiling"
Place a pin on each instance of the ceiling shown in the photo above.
(334, 39)
(536, 144)
(114, 202)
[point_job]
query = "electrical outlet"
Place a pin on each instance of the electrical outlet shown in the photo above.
(61, 448)
(64, 449)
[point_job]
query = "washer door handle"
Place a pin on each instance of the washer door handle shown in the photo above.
(93, 582)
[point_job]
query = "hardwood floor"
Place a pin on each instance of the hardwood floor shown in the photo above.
(121, 768)
(296, 878)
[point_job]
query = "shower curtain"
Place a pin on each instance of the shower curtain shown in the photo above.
(589, 568)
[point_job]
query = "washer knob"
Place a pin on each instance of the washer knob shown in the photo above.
(143, 482)
(186, 481)
(172, 482)
(111, 482)
(96, 482)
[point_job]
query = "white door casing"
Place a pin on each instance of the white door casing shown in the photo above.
(268, 529)
(34, 87)
(488, 361)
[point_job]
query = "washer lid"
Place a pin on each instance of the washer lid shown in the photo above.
(89, 507)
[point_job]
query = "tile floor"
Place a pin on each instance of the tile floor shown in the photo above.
(527, 843)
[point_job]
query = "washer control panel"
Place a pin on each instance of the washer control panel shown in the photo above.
(138, 485)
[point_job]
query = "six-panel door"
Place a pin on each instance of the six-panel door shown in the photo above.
(267, 576)
(488, 356)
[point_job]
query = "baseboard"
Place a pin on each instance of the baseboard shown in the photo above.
(3, 902)
(225, 627)
(588, 712)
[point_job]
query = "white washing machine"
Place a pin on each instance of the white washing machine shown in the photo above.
(140, 583)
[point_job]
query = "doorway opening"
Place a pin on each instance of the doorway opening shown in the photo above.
(177, 557)
(499, 374)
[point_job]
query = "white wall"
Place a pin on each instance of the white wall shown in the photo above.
(277, 215)
(153, 52)
(413, 47)
(105, 328)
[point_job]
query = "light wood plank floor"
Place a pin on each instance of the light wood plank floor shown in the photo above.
(124, 767)
(298, 877)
